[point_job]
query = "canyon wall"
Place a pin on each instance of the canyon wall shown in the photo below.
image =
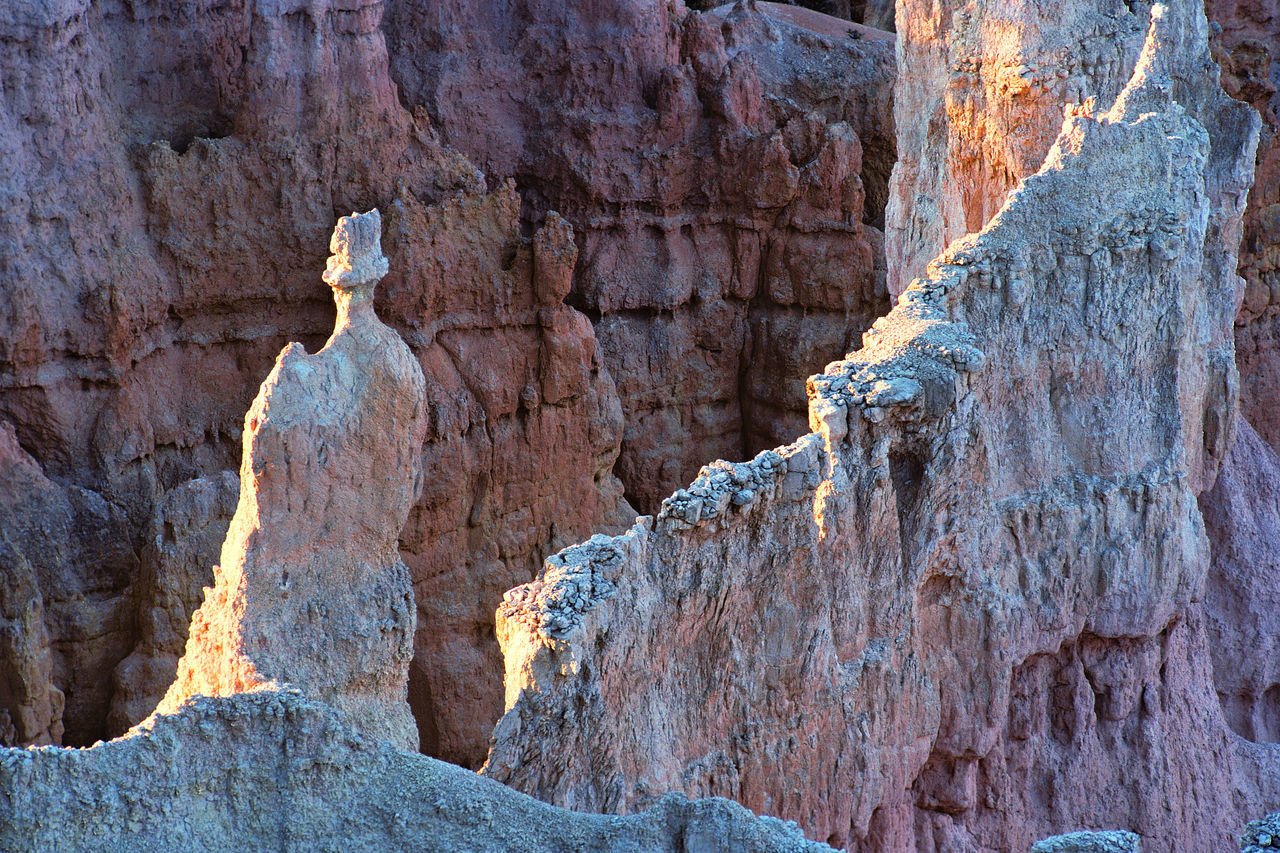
(288, 726)
(725, 175)
(965, 612)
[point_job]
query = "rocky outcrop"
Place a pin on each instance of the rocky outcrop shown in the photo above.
(725, 177)
(311, 589)
(969, 600)
(1107, 841)
(275, 771)
(169, 180)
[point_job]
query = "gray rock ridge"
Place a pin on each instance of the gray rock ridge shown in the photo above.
(311, 590)
(273, 770)
(1105, 841)
(968, 600)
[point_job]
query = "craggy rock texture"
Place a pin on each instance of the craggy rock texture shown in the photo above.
(274, 771)
(1248, 49)
(1261, 835)
(189, 525)
(311, 589)
(725, 176)
(968, 602)
(979, 100)
(168, 178)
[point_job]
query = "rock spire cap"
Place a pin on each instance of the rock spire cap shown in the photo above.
(357, 257)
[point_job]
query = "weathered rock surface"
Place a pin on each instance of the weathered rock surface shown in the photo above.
(1242, 601)
(168, 178)
(65, 614)
(1261, 835)
(275, 771)
(282, 727)
(725, 176)
(978, 103)
(189, 525)
(311, 589)
(969, 602)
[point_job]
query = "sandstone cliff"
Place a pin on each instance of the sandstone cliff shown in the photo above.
(970, 600)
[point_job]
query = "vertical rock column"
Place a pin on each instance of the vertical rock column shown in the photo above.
(311, 589)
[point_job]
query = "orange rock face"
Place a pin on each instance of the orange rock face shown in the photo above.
(725, 175)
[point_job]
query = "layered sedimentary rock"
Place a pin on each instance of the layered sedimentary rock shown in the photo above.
(168, 178)
(311, 589)
(275, 771)
(968, 602)
(725, 176)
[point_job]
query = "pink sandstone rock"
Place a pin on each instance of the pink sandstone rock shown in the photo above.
(964, 612)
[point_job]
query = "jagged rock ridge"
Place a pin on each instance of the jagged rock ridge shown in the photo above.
(970, 599)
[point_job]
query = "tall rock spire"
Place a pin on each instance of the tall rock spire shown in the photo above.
(311, 590)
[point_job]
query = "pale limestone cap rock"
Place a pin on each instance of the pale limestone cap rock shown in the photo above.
(357, 257)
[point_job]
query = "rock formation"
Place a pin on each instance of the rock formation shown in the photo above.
(1107, 841)
(63, 618)
(312, 594)
(1248, 50)
(979, 102)
(311, 589)
(969, 600)
(169, 180)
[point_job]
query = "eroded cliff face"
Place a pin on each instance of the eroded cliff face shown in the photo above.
(169, 179)
(969, 601)
(290, 704)
(725, 175)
